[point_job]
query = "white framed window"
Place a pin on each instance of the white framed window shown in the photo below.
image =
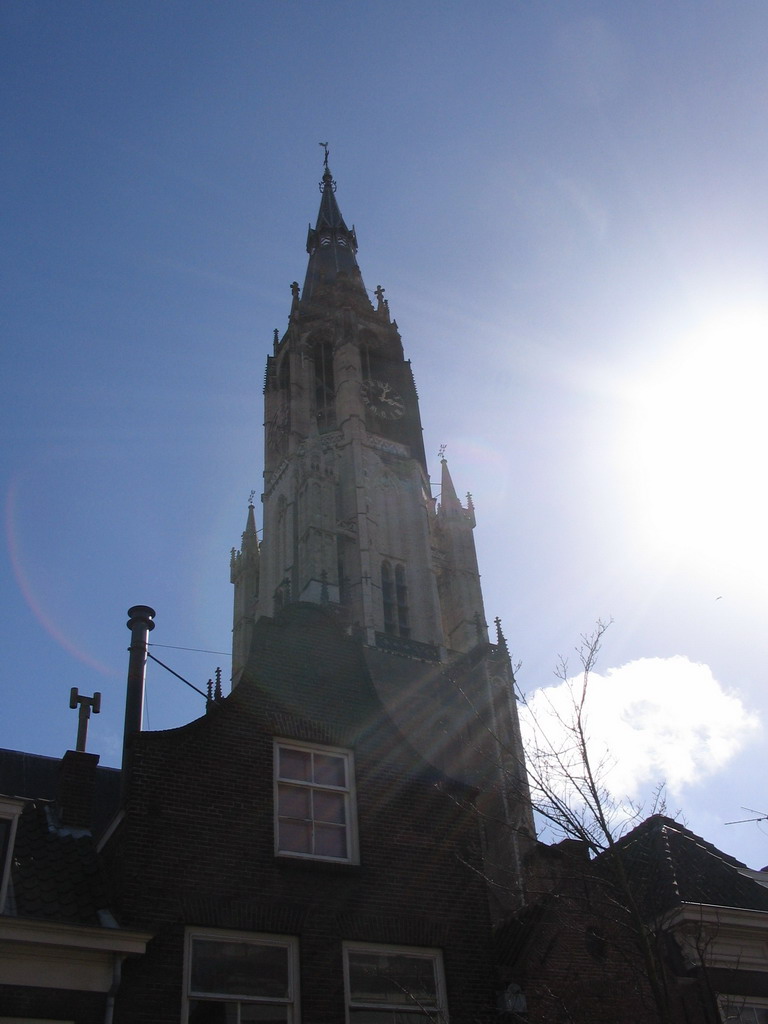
(315, 813)
(393, 984)
(10, 812)
(240, 978)
(743, 1010)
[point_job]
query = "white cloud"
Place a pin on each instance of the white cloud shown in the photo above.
(657, 719)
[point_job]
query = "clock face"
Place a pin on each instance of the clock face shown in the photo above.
(382, 400)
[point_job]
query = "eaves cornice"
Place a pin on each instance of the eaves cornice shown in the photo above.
(125, 941)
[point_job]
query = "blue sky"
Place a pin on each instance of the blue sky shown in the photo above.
(565, 203)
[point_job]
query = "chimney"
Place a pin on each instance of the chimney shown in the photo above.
(76, 789)
(141, 623)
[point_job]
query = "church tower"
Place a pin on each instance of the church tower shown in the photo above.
(350, 525)
(340, 836)
(349, 519)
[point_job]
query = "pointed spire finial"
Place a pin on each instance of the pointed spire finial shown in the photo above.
(500, 638)
(251, 496)
(295, 292)
(327, 182)
(441, 453)
(383, 306)
(450, 505)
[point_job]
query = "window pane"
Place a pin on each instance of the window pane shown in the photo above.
(746, 1013)
(330, 770)
(392, 978)
(263, 1014)
(295, 837)
(330, 841)
(293, 802)
(204, 1011)
(239, 969)
(329, 807)
(295, 764)
(365, 985)
(416, 976)
(208, 1012)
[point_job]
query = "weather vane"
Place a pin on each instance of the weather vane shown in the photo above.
(441, 453)
(251, 496)
(325, 147)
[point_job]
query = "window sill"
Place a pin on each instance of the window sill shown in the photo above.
(316, 864)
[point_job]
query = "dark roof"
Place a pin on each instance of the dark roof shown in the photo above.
(55, 875)
(670, 865)
(36, 776)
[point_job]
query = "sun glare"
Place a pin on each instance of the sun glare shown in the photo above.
(696, 446)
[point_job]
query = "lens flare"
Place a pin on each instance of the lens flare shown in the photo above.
(25, 586)
(696, 446)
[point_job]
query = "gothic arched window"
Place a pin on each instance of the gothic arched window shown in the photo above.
(401, 596)
(394, 594)
(282, 595)
(388, 597)
(372, 363)
(325, 391)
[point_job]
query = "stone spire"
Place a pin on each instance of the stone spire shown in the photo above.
(331, 246)
(250, 548)
(449, 503)
(244, 573)
(461, 597)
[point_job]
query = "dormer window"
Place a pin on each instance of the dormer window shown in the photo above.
(10, 811)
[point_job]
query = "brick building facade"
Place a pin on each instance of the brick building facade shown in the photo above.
(203, 848)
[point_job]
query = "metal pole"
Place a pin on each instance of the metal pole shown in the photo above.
(141, 623)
